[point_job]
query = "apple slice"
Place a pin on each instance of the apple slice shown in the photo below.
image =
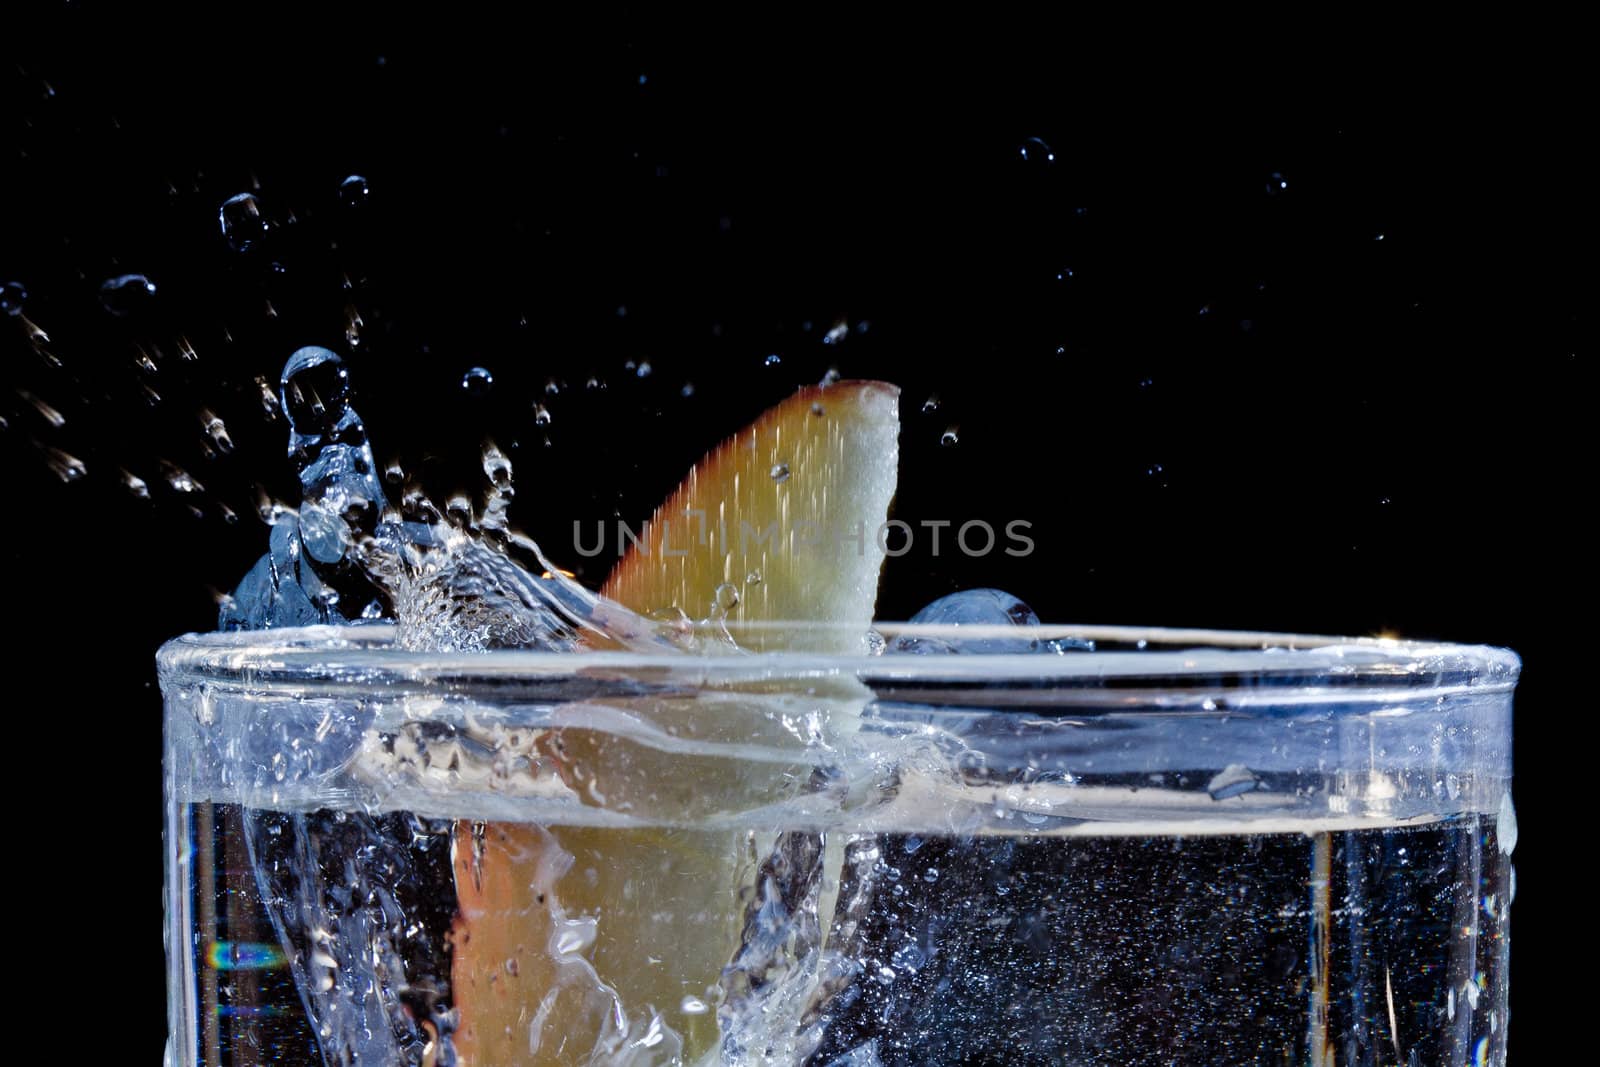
(779, 524)
(578, 940)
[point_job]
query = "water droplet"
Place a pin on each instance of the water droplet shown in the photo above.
(644, 370)
(216, 430)
(46, 412)
(269, 397)
(12, 297)
(352, 325)
(496, 467)
(1064, 274)
(180, 480)
(541, 415)
(830, 376)
(1154, 470)
(931, 874)
(773, 360)
(687, 390)
(594, 384)
(552, 387)
(477, 382)
(1036, 154)
(393, 473)
(693, 1006)
(353, 191)
(315, 390)
(930, 405)
(64, 465)
(818, 409)
(779, 472)
(753, 578)
(135, 485)
(126, 293)
(836, 333)
(242, 222)
(951, 437)
(1276, 183)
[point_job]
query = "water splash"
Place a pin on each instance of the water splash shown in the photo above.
(459, 579)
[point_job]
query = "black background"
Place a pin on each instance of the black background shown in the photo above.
(1272, 342)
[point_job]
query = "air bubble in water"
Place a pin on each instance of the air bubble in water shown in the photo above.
(693, 1006)
(930, 405)
(353, 191)
(724, 600)
(477, 382)
(951, 437)
(126, 293)
(779, 472)
(241, 221)
(773, 360)
(1233, 780)
(12, 297)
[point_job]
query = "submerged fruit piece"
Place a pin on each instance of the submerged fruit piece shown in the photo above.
(599, 944)
(779, 524)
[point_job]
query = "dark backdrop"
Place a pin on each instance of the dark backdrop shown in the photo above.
(1252, 340)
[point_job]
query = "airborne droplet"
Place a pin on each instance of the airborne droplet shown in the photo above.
(241, 221)
(64, 465)
(1036, 154)
(216, 430)
(779, 472)
(12, 297)
(126, 293)
(353, 191)
(477, 382)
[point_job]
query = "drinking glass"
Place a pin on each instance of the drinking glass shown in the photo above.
(963, 845)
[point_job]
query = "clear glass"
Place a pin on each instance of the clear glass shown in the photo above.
(1179, 848)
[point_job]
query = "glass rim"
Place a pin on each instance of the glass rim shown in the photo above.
(1315, 667)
